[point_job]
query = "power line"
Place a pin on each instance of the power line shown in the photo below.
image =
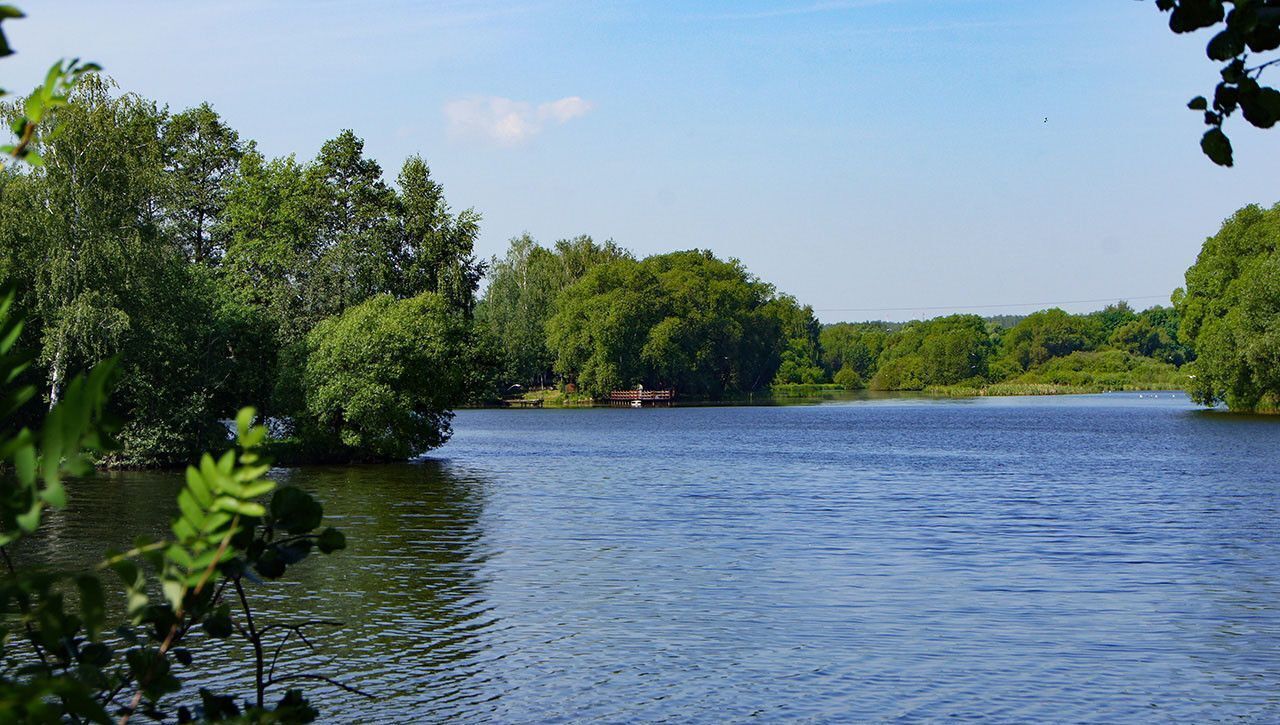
(988, 307)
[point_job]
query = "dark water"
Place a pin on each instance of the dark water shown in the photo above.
(1094, 558)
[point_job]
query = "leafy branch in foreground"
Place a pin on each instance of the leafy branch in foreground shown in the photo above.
(222, 535)
(67, 670)
(54, 92)
(1252, 26)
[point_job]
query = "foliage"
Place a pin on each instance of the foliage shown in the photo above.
(853, 345)
(1110, 369)
(799, 360)
(901, 373)
(30, 122)
(1230, 312)
(1108, 320)
(75, 671)
(848, 379)
(521, 299)
(1047, 334)
(685, 320)
(1154, 334)
(166, 240)
(382, 377)
(200, 153)
(1252, 26)
(72, 670)
(941, 351)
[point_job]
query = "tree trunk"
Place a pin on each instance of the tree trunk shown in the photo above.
(55, 377)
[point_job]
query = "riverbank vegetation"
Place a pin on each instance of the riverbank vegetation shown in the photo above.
(218, 275)
(348, 306)
(64, 658)
(711, 330)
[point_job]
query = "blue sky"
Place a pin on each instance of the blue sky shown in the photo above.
(876, 158)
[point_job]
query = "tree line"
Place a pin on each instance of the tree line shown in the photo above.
(596, 317)
(347, 308)
(219, 275)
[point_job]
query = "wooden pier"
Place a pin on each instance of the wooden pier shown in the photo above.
(522, 403)
(641, 398)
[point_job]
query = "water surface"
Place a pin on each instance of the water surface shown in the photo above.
(1094, 558)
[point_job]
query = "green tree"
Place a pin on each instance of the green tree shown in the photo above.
(685, 320)
(201, 153)
(521, 299)
(383, 377)
(853, 345)
(1230, 312)
(1109, 319)
(357, 252)
(799, 354)
(99, 276)
(517, 304)
(438, 247)
(900, 373)
(271, 225)
(1047, 334)
(72, 672)
(848, 378)
(941, 351)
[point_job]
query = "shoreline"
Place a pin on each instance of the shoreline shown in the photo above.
(804, 393)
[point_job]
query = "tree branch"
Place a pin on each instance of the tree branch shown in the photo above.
(322, 678)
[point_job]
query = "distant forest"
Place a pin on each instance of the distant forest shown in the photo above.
(594, 316)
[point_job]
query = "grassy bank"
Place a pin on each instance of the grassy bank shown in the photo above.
(1016, 388)
(554, 398)
(799, 390)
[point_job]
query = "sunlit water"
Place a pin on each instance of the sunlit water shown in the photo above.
(1094, 558)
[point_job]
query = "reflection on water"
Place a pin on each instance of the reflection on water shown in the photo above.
(1092, 558)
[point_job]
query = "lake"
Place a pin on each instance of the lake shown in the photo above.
(1095, 558)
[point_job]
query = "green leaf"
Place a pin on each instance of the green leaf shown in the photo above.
(195, 482)
(218, 624)
(92, 604)
(1199, 103)
(331, 540)
(1217, 147)
(293, 707)
(180, 556)
(183, 530)
(256, 436)
(227, 463)
(30, 519)
(270, 565)
(1190, 15)
(295, 511)
(1262, 107)
(249, 508)
(1225, 45)
(24, 464)
(218, 707)
(174, 591)
(244, 419)
(128, 572)
(55, 494)
(34, 107)
(191, 510)
(261, 488)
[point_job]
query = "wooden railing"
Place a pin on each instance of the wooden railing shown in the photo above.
(644, 396)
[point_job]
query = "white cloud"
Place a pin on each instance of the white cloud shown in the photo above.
(565, 109)
(509, 122)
